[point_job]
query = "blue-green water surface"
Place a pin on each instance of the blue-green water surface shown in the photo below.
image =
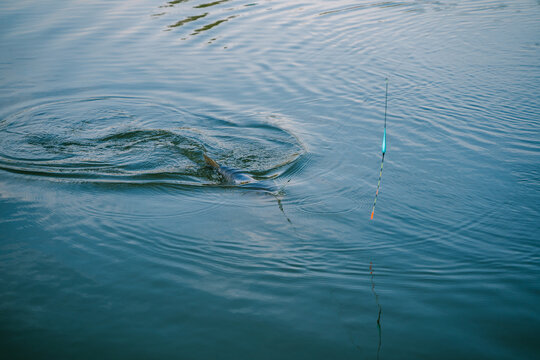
(118, 242)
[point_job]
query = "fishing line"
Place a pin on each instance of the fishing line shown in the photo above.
(383, 151)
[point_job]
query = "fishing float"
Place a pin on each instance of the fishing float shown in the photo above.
(383, 151)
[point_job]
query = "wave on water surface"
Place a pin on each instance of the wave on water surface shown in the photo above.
(135, 140)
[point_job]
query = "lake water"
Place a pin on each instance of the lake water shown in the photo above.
(117, 242)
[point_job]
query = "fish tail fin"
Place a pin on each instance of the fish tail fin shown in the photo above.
(211, 162)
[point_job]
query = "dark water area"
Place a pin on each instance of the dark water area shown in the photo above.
(117, 241)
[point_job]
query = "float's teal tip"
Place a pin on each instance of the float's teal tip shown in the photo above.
(384, 142)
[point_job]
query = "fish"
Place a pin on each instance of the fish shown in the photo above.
(236, 177)
(231, 176)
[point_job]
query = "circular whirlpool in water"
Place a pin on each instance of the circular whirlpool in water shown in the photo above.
(136, 140)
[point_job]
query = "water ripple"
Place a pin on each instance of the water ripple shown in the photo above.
(124, 140)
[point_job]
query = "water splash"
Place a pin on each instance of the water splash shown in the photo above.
(133, 140)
